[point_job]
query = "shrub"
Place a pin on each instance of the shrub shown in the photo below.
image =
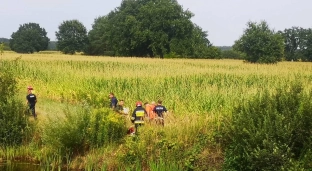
(105, 127)
(75, 132)
(66, 133)
(12, 119)
(270, 132)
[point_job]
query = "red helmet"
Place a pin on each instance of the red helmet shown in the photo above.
(138, 104)
(30, 88)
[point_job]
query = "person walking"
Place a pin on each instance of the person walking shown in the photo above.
(138, 116)
(31, 101)
(160, 110)
(113, 101)
(149, 107)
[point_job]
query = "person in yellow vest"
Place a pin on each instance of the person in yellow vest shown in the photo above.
(138, 115)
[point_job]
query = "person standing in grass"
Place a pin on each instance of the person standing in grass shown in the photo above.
(113, 101)
(160, 110)
(150, 110)
(31, 101)
(138, 115)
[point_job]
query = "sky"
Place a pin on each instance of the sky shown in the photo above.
(224, 20)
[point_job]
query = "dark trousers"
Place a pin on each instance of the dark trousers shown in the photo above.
(137, 125)
(32, 110)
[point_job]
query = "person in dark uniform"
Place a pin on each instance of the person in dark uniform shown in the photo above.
(113, 101)
(31, 101)
(159, 109)
(138, 116)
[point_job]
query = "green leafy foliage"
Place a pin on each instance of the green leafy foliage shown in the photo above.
(151, 28)
(105, 127)
(297, 42)
(76, 132)
(29, 38)
(1, 48)
(71, 37)
(307, 52)
(270, 131)
(6, 43)
(260, 44)
(12, 119)
(52, 46)
(98, 38)
(232, 54)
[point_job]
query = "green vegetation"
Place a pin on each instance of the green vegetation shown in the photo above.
(14, 125)
(162, 28)
(215, 105)
(52, 46)
(298, 44)
(232, 54)
(71, 37)
(76, 132)
(5, 44)
(29, 38)
(260, 44)
(270, 131)
(149, 28)
(1, 48)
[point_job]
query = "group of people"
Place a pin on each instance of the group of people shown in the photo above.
(150, 112)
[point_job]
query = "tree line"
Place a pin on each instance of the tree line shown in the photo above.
(162, 28)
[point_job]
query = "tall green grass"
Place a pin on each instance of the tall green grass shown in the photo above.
(200, 94)
(271, 131)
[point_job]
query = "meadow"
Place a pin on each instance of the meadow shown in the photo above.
(200, 95)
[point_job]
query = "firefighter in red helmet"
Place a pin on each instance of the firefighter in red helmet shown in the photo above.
(30, 88)
(31, 101)
(138, 115)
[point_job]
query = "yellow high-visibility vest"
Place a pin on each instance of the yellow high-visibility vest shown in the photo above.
(139, 113)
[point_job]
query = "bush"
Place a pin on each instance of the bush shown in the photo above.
(270, 132)
(12, 119)
(105, 127)
(75, 132)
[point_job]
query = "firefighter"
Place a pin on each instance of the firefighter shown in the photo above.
(31, 101)
(138, 116)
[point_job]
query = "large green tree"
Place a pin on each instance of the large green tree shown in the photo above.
(71, 37)
(292, 39)
(98, 37)
(148, 28)
(260, 43)
(297, 42)
(29, 38)
(307, 51)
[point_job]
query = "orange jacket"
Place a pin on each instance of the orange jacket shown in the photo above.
(149, 109)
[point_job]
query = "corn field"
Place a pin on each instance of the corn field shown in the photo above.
(185, 86)
(198, 93)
